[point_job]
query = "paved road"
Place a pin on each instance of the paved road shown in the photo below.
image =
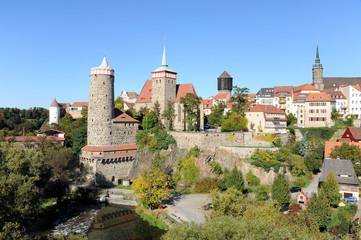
(188, 207)
(310, 188)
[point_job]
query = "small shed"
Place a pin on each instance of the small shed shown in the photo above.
(302, 198)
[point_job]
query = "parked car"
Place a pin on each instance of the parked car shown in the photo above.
(350, 199)
(295, 189)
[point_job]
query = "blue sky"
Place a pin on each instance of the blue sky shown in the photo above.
(48, 47)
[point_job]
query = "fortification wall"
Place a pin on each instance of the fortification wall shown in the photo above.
(210, 141)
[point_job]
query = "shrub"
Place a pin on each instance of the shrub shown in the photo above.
(252, 179)
(262, 193)
(159, 140)
(205, 185)
(278, 142)
(267, 165)
(216, 167)
(300, 182)
(233, 179)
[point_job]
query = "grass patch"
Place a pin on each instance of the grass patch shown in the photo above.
(151, 217)
(123, 187)
(48, 203)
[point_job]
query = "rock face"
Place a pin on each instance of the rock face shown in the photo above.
(229, 157)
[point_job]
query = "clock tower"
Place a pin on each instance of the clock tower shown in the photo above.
(163, 84)
(317, 73)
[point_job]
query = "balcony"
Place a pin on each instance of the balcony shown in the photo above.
(282, 101)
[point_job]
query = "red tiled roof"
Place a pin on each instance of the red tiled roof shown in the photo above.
(230, 104)
(334, 93)
(207, 103)
(51, 130)
(357, 87)
(145, 95)
(54, 103)
(330, 145)
(299, 97)
(64, 105)
(221, 95)
(183, 89)
(356, 132)
(33, 138)
(278, 89)
(109, 148)
(343, 140)
(129, 104)
(305, 87)
(123, 117)
(225, 75)
(319, 97)
(80, 104)
(265, 109)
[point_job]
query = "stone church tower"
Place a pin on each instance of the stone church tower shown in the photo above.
(163, 84)
(317, 73)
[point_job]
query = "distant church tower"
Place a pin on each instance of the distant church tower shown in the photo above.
(101, 104)
(163, 84)
(225, 83)
(54, 112)
(317, 73)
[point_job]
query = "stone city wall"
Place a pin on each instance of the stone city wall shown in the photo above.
(211, 141)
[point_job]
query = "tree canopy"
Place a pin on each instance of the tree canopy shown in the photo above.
(191, 110)
(281, 190)
(348, 151)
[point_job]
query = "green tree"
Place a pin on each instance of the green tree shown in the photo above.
(239, 98)
(281, 190)
(335, 116)
(119, 103)
(350, 152)
(252, 179)
(79, 139)
(11, 231)
(84, 112)
(169, 115)
(330, 190)
(191, 111)
(320, 209)
(148, 121)
(151, 187)
(216, 116)
(312, 163)
(157, 115)
(233, 123)
(291, 119)
(262, 192)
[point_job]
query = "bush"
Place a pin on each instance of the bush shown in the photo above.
(267, 165)
(323, 133)
(300, 182)
(159, 140)
(262, 193)
(252, 179)
(233, 123)
(278, 142)
(205, 185)
(216, 167)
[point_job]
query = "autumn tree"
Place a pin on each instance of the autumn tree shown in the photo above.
(191, 111)
(281, 190)
(351, 152)
(216, 116)
(152, 187)
(330, 190)
(119, 103)
(169, 115)
(239, 98)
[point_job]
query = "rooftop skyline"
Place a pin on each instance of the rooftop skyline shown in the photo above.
(48, 48)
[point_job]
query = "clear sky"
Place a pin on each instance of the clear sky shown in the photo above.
(48, 47)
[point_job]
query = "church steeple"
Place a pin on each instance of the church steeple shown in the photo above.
(317, 60)
(317, 72)
(164, 66)
(164, 59)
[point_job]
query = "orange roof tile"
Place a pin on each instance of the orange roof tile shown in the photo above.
(221, 95)
(54, 103)
(207, 103)
(357, 87)
(225, 75)
(109, 148)
(54, 130)
(80, 104)
(319, 97)
(183, 89)
(145, 95)
(287, 89)
(265, 109)
(129, 104)
(330, 145)
(124, 118)
(305, 87)
(33, 138)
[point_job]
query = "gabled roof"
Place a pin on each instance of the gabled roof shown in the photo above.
(300, 97)
(80, 104)
(334, 82)
(335, 94)
(49, 130)
(145, 95)
(64, 105)
(356, 132)
(283, 89)
(129, 104)
(183, 89)
(305, 87)
(54, 103)
(132, 95)
(319, 97)
(221, 95)
(265, 109)
(109, 148)
(122, 117)
(33, 138)
(330, 145)
(207, 103)
(225, 75)
(343, 169)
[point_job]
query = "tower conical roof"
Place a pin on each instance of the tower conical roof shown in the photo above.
(225, 75)
(54, 103)
(164, 66)
(104, 63)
